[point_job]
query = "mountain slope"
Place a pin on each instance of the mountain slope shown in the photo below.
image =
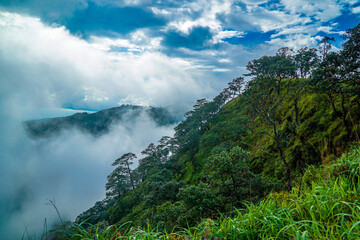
(99, 122)
(252, 139)
(225, 153)
(323, 205)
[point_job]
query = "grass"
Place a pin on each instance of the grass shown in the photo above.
(324, 205)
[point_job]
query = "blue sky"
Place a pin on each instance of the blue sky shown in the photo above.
(164, 52)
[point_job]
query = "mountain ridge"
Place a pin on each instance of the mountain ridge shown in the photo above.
(99, 122)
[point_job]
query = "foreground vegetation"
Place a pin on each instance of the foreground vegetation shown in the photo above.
(323, 205)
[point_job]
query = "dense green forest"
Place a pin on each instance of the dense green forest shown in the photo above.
(99, 122)
(260, 160)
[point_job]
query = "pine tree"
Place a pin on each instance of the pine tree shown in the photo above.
(121, 179)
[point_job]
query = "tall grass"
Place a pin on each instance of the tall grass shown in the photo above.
(325, 205)
(83, 230)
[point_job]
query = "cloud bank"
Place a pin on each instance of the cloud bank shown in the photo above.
(199, 32)
(63, 70)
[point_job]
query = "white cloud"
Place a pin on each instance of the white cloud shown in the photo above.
(226, 34)
(208, 18)
(294, 41)
(159, 11)
(137, 41)
(254, 2)
(221, 70)
(311, 30)
(260, 18)
(274, 20)
(323, 10)
(224, 60)
(356, 10)
(106, 44)
(139, 101)
(94, 95)
(295, 23)
(351, 2)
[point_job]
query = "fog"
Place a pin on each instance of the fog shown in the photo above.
(43, 69)
(70, 168)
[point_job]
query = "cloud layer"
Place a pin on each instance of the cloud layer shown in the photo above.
(60, 69)
(199, 32)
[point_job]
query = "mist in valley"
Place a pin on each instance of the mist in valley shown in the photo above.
(44, 71)
(70, 168)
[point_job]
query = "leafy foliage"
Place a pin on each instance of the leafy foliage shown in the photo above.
(230, 177)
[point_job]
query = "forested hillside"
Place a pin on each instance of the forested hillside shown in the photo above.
(299, 111)
(99, 122)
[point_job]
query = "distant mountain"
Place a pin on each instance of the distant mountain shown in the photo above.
(99, 122)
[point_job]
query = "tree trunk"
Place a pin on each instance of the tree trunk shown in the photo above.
(282, 156)
(130, 175)
(344, 114)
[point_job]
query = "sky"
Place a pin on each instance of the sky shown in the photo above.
(58, 57)
(97, 54)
